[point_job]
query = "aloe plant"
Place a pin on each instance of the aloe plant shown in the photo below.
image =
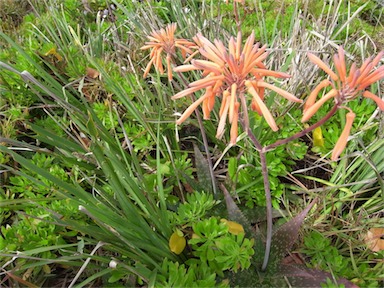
(284, 237)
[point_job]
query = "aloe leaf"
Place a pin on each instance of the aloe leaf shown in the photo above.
(234, 213)
(202, 170)
(285, 236)
(300, 276)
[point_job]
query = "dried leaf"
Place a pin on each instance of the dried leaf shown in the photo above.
(374, 239)
(92, 73)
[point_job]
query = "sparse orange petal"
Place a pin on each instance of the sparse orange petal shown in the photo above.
(184, 49)
(185, 92)
(169, 68)
(207, 81)
(207, 65)
(255, 107)
(255, 62)
(223, 116)
(249, 44)
(264, 110)
(378, 100)
(343, 68)
(352, 73)
(312, 97)
(224, 102)
(377, 59)
(190, 110)
(342, 142)
(280, 91)
(208, 103)
(238, 46)
(185, 68)
(235, 123)
(232, 46)
(313, 109)
(191, 56)
(158, 63)
(363, 74)
(372, 78)
(232, 101)
(338, 67)
(266, 72)
(148, 67)
(316, 60)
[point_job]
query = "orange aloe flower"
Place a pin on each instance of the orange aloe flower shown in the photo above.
(345, 87)
(230, 73)
(164, 41)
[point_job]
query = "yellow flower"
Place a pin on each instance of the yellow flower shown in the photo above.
(230, 73)
(177, 242)
(344, 88)
(233, 227)
(164, 41)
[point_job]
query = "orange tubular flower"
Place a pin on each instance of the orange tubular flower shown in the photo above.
(165, 41)
(345, 87)
(229, 73)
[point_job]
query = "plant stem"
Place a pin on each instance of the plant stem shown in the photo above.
(205, 140)
(303, 132)
(268, 198)
(236, 13)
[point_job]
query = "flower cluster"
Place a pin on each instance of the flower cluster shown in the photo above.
(344, 88)
(231, 73)
(164, 41)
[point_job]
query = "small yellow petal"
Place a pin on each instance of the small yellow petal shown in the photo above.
(233, 227)
(318, 140)
(177, 243)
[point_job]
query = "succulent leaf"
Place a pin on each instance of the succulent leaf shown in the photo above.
(202, 170)
(285, 236)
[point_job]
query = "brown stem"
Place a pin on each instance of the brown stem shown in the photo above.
(267, 190)
(303, 132)
(237, 20)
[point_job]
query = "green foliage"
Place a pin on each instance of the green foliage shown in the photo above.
(326, 256)
(98, 162)
(221, 251)
(195, 208)
(177, 275)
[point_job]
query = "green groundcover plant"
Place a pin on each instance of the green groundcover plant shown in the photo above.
(102, 184)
